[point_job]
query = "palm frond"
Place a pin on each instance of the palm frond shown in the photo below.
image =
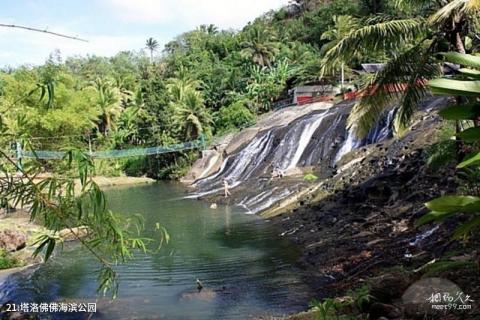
(380, 36)
(399, 81)
(416, 90)
(415, 4)
(463, 7)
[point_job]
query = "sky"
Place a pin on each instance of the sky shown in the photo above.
(111, 26)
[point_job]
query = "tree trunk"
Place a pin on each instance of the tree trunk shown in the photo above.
(457, 42)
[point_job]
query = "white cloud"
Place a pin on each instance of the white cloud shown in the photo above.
(186, 14)
(163, 19)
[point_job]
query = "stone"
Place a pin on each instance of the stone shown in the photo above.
(388, 287)
(12, 240)
(71, 234)
(213, 206)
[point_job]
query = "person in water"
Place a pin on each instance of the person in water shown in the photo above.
(225, 188)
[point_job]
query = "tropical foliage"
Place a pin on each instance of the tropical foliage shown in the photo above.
(410, 42)
(467, 86)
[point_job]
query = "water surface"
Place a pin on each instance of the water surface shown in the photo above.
(239, 257)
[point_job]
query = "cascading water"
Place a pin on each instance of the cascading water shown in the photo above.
(239, 167)
(382, 131)
(296, 141)
(311, 140)
(348, 145)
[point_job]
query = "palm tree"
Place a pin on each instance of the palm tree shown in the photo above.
(109, 103)
(260, 45)
(190, 114)
(342, 26)
(414, 43)
(152, 45)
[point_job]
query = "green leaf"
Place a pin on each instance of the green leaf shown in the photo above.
(463, 112)
(470, 161)
(467, 227)
(470, 135)
(50, 247)
(463, 59)
(454, 87)
(470, 72)
(433, 216)
(450, 204)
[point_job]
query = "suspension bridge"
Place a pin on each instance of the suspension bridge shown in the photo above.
(116, 153)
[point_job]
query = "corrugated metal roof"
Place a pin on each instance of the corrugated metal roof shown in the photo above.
(372, 67)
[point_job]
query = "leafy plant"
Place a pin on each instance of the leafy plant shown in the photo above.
(414, 41)
(328, 309)
(236, 115)
(8, 261)
(71, 199)
(310, 177)
(448, 206)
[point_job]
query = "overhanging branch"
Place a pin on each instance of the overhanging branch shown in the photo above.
(42, 31)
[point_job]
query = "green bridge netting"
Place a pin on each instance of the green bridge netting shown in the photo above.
(134, 152)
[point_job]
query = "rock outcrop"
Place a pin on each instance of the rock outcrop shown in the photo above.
(12, 240)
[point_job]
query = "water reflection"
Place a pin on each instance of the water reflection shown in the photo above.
(247, 268)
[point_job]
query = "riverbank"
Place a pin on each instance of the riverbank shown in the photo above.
(356, 224)
(16, 229)
(358, 228)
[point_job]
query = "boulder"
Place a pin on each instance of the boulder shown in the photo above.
(242, 138)
(209, 163)
(12, 240)
(71, 234)
(202, 295)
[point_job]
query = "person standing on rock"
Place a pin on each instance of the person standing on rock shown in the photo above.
(225, 188)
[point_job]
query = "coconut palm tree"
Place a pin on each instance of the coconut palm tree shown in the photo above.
(109, 103)
(413, 42)
(260, 45)
(342, 26)
(152, 45)
(190, 114)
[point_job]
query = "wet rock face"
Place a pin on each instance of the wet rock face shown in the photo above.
(365, 222)
(12, 240)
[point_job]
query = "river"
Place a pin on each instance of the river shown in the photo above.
(240, 258)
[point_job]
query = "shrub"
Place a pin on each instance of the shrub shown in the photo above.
(310, 177)
(236, 115)
(8, 261)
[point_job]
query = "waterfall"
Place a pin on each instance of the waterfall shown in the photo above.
(348, 145)
(381, 131)
(305, 138)
(239, 167)
(294, 142)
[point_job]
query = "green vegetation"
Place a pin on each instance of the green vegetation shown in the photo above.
(336, 309)
(7, 261)
(467, 90)
(409, 43)
(310, 177)
(207, 81)
(72, 200)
